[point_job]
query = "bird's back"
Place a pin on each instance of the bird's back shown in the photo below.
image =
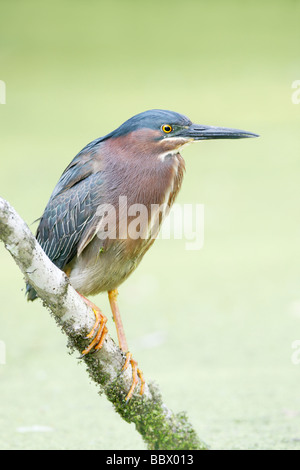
(68, 229)
(71, 209)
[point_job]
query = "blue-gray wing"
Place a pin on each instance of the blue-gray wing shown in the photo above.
(67, 217)
(71, 213)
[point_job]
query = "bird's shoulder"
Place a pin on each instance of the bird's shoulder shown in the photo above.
(71, 213)
(87, 162)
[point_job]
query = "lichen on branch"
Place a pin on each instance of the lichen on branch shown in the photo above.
(160, 428)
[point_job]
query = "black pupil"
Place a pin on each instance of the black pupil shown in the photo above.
(168, 128)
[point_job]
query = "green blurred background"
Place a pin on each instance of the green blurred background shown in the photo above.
(214, 328)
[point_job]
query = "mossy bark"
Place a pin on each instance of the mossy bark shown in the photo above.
(159, 427)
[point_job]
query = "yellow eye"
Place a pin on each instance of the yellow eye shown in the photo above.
(166, 128)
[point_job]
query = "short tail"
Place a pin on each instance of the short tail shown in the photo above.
(30, 292)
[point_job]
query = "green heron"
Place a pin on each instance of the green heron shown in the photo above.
(139, 161)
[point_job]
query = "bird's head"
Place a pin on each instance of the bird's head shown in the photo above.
(162, 133)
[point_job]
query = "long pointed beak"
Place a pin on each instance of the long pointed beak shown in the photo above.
(199, 132)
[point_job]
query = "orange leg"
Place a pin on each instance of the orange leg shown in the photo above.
(136, 373)
(99, 326)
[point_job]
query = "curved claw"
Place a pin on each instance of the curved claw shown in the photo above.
(136, 375)
(98, 341)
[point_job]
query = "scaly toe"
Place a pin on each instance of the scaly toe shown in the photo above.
(136, 375)
(98, 341)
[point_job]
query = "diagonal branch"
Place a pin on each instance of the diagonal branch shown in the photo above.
(159, 427)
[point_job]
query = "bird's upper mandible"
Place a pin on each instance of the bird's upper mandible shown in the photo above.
(138, 162)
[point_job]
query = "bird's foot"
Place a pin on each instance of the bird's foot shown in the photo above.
(136, 375)
(99, 330)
